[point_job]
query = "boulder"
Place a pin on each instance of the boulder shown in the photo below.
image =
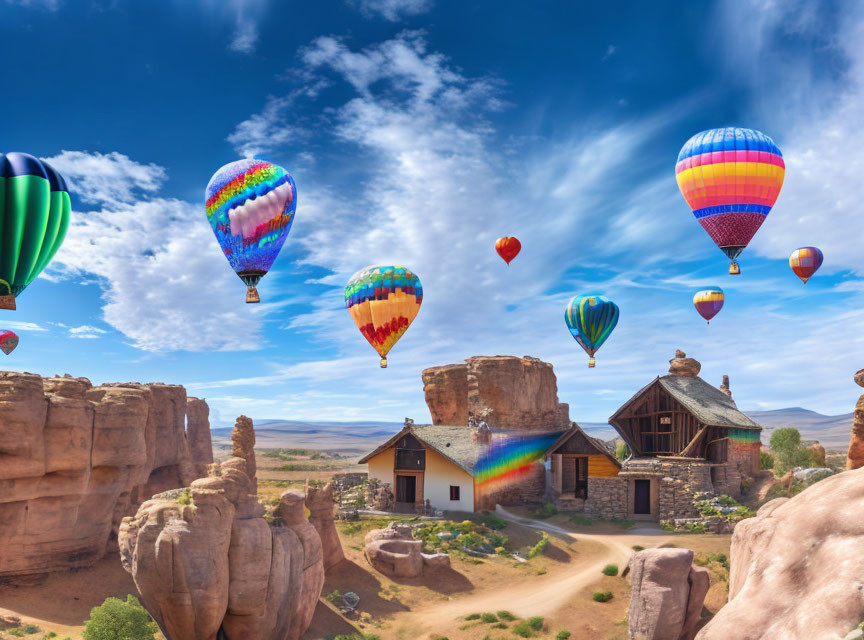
(320, 503)
(446, 391)
(817, 452)
(855, 456)
(215, 565)
(666, 595)
(797, 566)
(394, 552)
(74, 460)
(681, 365)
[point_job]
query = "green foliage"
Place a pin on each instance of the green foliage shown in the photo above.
(602, 596)
(668, 545)
(562, 635)
(523, 629)
(488, 618)
(624, 524)
(499, 625)
(785, 439)
(506, 615)
(610, 570)
(582, 520)
(546, 511)
(492, 521)
(49, 635)
(18, 633)
(115, 619)
(460, 534)
(540, 547)
(536, 623)
(185, 497)
(472, 616)
(788, 451)
(333, 596)
(356, 636)
(766, 460)
(720, 507)
(746, 484)
(622, 451)
(667, 525)
(350, 528)
(638, 547)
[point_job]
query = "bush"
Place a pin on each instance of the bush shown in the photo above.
(638, 547)
(185, 497)
(488, 618)
(115, 619)
(540, 547)
(523, 629)
(582, 520)
(766, 460)
(562, 635)
(667, 525)
(499, 625)
(506, 615)
(610, 570)
(493, 522)
(622, 451)
(602, 596)
(472, 616)
(547, 511)
(536, 623)
(788, 450)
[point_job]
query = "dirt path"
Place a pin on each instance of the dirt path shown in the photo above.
(546, 595)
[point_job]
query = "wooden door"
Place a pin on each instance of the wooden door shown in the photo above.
(642, 496)
(581, 488)
(406, 489)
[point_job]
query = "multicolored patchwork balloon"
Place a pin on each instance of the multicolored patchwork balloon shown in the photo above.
(383, 302)
(8, 341)
(708, 302)
(591, 318)
(508, 248)
(805, 262)
(251, 205)
(731, 178)
(34, 216)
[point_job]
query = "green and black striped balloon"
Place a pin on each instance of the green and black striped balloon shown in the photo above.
(34, 216)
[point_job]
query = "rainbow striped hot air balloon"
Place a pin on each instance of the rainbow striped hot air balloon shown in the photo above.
(34, 216)
(805, 262)
(591, 318)
(708, 302)
(731, 178)
(383, 302)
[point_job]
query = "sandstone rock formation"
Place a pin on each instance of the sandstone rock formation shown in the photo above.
(817, 452)
(797, 567)
(681, 365)
(75, 459)
(667, 594)
(394, 552)
(207, 562)
(320, 504)
(724, 387)
(505, 391)
(198, 435)
(855, 456)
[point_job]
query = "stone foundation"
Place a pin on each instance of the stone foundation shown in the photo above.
(607, 498)
(530, 489)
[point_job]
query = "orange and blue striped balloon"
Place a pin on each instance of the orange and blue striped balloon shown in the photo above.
(708, 302)
(731, 178)
(805, 262)
(591, 319)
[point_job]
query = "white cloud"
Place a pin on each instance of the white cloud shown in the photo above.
(17, 325)
(393, 10)
(245, 36)
(86, 331)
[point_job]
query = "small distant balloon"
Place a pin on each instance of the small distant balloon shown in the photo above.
(805, 262)
(8, 341)
(250, 206)
(508, 248)
(591, 319)
(730, 178)
(383, 302)
(708, 302)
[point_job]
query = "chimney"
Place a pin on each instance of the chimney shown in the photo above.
(681, 365)
(725, 386)
(483, 435)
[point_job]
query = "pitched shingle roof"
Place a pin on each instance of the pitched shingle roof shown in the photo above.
(707, 403)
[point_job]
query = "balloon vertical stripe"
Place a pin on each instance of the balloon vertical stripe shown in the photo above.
(591, 319)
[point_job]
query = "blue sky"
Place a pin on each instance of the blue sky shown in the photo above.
(419, 131)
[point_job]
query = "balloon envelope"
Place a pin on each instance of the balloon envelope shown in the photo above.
(383, 302)
(731, 178)
(805, 262)
(708, 302)
(8, 341)
(508, 248)
(34, 216)
(591, 318)
(250, 206)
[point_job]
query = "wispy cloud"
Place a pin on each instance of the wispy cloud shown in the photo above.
(86, 331)
(245, 36)
(17, 325)
(393, 10)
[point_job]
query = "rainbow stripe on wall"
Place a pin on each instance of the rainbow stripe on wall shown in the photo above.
(745, 440)
(509, 458)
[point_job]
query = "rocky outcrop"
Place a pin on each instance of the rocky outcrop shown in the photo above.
(666, 595)
(206, 561)
(855, 456)
(681, 365)
(320, 503)
(75, 459)
(817, 454)
(797, 566)
(507, 392)
(198, 435)
(724, 386)
(394, 552)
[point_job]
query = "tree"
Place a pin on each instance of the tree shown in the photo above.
(788, 450)
(622, 451)
(118, 620)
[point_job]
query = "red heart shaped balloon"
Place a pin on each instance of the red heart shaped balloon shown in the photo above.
(8, 341)
(508, 248)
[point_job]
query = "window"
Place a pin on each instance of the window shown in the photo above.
(454, 492)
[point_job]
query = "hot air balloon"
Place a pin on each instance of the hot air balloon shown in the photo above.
(34, 216)
(731, 178)
(805, 262)
(383, 302)
(8, 341)
(591, 319)
(508, 248)
(708, 302)
(251, 205)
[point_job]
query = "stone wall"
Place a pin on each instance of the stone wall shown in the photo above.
(681, 481)
(607, 498)
(528, 489)
(75, 459)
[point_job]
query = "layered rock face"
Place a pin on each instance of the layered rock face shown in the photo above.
(797, 567)
(320, 504)
(75, 459)
(507, 392)
(681, 365)
(855, 457)
(206, 562)
(666, 596)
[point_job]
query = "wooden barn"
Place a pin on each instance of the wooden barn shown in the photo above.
(574, 458)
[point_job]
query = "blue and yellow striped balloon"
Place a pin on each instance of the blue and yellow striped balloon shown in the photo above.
(591, 319)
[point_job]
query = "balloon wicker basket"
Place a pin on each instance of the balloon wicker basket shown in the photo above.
(252, 295)
(591, 363)
(7, 302)
(383, 363)
(734, 269)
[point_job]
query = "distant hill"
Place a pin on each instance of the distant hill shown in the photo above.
(830, 431)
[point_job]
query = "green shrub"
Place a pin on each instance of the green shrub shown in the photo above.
(638, 547)
(472, 616)
(602, 596)
(333, 596)
(18, 633)
(506, 615)
(536, 623)
(499, 625)
(115, 619)
(766, 460)
(523, 629)
(562, 635)
(788, 450)
(492, 521)
(488, 618)
(185, 497)
(610, 570)
(540, 547)
(622, 451)
(667, 525)
(582, 520)
(668, 545)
